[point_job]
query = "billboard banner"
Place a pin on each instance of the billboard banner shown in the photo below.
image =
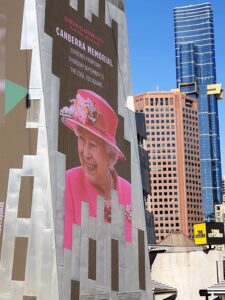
(67, 228)
(91, 133)
(209, 233)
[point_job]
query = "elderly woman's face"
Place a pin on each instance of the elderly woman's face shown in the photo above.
(93, 157)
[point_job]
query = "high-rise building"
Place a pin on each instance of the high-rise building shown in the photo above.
(196, 75)
(223, 187)
(173, 151)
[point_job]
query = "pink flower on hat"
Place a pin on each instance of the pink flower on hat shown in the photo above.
(85, 110)
(82, 109)
(68, 111)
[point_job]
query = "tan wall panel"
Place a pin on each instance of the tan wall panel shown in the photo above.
(25, 200)
(141, 258)
(115, 265)
(75, 290)
(92, 259)
(19, 261)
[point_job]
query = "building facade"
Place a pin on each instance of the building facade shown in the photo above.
(223, 187)
(110, 257)
(173, 151)
(196, 75)
(187, 270)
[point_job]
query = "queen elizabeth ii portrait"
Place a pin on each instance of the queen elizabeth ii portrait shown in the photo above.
(94, 123)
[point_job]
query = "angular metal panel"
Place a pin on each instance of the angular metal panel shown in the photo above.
(92, 228)
(74, 4)
(23, 227)
(66, 294)
(34, 252)
(76, 252)
(53, 117)
(85, 219)
(17, 290)
(7, 251)
(33, 113)
(60, 270)
(46, 265)
(29, 165)
(91, 7)
(47, 206)
(55, 288)
(114, 217)
(13, 189)
(57, 171)
(132, 262)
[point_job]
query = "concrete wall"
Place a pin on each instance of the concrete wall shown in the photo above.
(188, 272)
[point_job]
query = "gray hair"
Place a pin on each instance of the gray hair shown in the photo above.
(113, 154)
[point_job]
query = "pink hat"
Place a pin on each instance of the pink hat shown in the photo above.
(90, 111)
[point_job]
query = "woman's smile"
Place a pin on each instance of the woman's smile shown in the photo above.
(90, 167)
(94, 158)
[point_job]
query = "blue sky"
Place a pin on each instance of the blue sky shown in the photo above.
(152, 53)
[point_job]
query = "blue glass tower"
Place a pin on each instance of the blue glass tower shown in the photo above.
(196, 76)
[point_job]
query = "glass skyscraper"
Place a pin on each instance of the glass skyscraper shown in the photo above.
(196, 76)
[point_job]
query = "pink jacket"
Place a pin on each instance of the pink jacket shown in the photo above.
(77, 189)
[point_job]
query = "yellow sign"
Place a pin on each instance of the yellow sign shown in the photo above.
(200, 234)
(215, 89)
